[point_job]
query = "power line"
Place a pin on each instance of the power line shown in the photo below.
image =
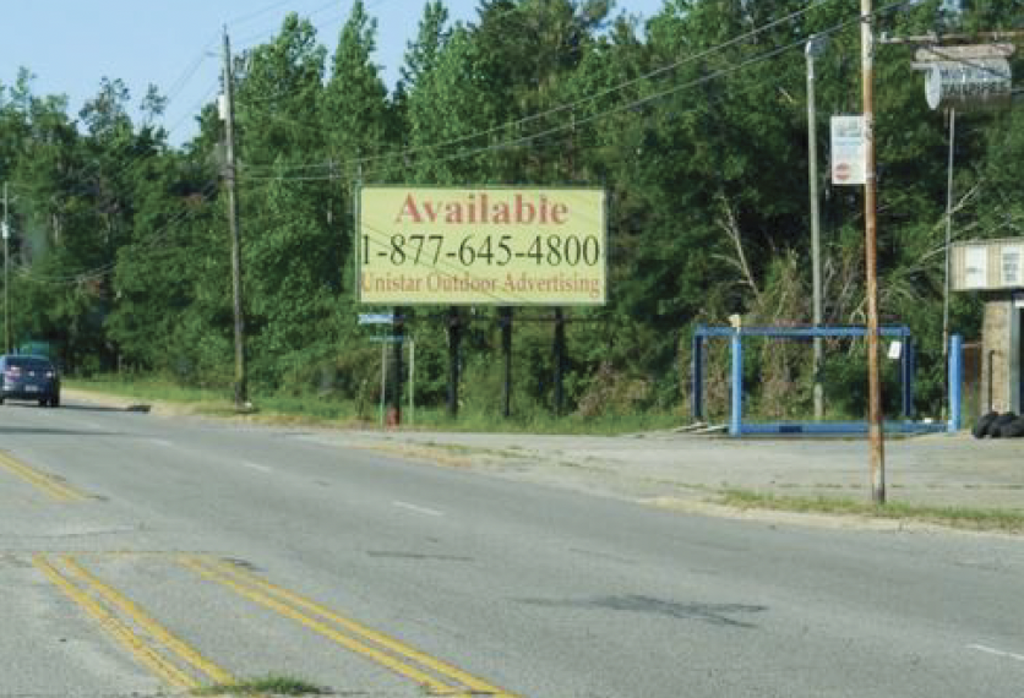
(522, 140)
(158, 236)
(571, 106)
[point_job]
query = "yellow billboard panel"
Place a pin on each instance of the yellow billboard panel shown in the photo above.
(484, 246)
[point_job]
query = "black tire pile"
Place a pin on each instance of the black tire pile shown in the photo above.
(999, 426)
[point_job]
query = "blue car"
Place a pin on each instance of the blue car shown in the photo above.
(29, 378)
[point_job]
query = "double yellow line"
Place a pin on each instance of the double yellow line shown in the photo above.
(50, 485)
(438, 677)
(181, 666)
(148, 641)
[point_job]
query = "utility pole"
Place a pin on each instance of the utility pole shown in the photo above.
(814, 48)
(876, 438)
(231, 172)
(7, 273)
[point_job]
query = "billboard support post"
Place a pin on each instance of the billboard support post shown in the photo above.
(506, 349)
(559, 351)
(383, 379)
(396, 387)
(454, 339)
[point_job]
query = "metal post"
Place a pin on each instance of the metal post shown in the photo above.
(241, 381)
(949, 238)
(697, 377)
(956, 369)
(383, 379)
(814, 48)
(906, 396)
(396, 386)
(990, 374)
(736, 415)
(876, 437)
(911, 371)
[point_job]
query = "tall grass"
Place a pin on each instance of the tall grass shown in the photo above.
(316, 409)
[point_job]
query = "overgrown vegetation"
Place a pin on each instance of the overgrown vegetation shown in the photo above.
(121, 248)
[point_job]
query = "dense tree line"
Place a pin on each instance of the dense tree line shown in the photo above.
(694, 120)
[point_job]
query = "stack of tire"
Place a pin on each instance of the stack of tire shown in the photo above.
(999, 426)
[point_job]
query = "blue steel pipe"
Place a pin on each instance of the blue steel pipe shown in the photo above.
(956, 371)
(736, 417)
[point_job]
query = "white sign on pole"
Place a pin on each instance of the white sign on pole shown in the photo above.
(849, 151)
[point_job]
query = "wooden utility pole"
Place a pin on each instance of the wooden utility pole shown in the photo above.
(876, 438)
(231, 172)
(7, 273)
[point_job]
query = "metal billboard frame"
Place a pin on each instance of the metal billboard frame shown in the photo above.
(737, 425)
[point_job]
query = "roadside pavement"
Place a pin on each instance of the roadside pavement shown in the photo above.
(689, 472)
(932, 470)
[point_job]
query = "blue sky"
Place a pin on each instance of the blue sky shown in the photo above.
(175, 44)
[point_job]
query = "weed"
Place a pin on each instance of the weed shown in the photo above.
(273, 685)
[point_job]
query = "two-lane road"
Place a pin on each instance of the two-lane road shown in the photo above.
(142, 554)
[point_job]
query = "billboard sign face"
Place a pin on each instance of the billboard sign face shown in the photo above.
(849, 150)
(481, 246)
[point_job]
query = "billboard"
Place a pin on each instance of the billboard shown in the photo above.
(481, 246)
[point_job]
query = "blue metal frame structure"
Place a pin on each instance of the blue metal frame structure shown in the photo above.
(737, 427)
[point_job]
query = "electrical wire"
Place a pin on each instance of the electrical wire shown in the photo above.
(93, 273)
(523, 140)
(571, 106)
(518, 142)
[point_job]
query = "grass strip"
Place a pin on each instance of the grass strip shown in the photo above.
(965, 518)
(267, 685)
(313, 410)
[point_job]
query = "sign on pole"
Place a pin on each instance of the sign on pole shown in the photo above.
(849, 155)
(966, 77)
(481, 246)
(974, 84)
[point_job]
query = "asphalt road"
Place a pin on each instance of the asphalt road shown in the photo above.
(142, 555)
